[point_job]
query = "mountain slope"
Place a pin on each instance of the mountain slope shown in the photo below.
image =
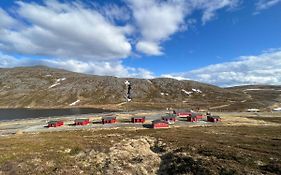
(47, 87)
(261, 95)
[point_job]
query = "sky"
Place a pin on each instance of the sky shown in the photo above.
(220, 42)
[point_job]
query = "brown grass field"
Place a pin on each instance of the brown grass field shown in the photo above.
(253, 147)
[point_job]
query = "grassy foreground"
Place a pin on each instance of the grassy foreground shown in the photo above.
(185, 150)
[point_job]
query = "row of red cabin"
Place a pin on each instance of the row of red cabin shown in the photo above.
(191, 117)
(164, 123)
(105, 120)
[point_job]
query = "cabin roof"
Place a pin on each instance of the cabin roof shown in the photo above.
(159, 121)
(109, 118)
(53, 121)
(81, 119)
(138, 117)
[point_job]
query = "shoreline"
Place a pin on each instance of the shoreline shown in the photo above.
(8, 114)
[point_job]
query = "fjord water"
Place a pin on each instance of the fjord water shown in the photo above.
(25, 113)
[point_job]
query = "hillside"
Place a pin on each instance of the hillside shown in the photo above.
(43, 87)
(261, 95)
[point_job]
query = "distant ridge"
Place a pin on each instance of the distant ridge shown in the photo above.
(41, 86)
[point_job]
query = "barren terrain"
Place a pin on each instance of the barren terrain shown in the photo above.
(43, 87)
(243, 143)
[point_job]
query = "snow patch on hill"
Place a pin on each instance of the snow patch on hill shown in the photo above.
(196, 90)
(261, 90)
(74, 103)
(186, 92)
(162, 93)
(57, 82)
(277, 109)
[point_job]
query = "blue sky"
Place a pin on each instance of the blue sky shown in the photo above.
(222, 42)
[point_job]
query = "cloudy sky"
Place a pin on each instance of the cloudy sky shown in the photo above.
(222, 42)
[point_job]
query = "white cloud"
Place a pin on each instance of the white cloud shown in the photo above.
(209, 8)
(150, 48)
(157, 20)
(65, 30)
(6, 20)
(91, 38)
(261, 69)
(110, 68)
(98, 32)
(265, 4)
(114, 12)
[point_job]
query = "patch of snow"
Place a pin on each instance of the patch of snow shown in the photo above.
(120, 104)
(57, 82)
(53, 85)
(149, 81)
(162, 93)
(196, 90)
(166, 94)
(48, 75)
(243, 101)
(127, 82)
(187, 92)
(61, 79)
(261, 90)
(74, 103)
(253, 110)
(276, 109)
(129, 99)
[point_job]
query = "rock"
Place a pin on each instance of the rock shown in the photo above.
(81, 154)
(19, 132)
(68, 150)
(259, 163)
(133, 156)
(50, 163)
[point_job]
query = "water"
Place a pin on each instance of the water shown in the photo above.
(22, 113)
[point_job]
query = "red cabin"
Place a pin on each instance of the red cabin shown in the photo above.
(160, 124)
(55, 123)
(192, 118)
(213, 118)
(138, 119)
(184, 114)
(81, 122)
(199, 116)
(169, 118)
(108, 120)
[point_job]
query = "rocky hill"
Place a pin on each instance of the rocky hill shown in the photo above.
(261, 96)
(43, 87)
